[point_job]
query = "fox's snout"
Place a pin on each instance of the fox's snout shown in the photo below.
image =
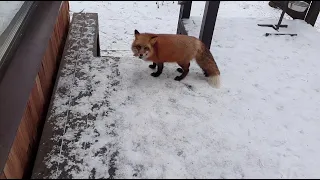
(138, 53)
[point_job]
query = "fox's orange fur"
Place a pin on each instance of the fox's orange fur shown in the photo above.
(160, 48)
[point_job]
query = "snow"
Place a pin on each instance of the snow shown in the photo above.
(117, 20)
(8, 10)
(262, 123)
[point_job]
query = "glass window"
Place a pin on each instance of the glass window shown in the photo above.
(8, 9)
(12, 18)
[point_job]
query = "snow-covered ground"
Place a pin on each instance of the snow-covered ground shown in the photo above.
(117, 20)
(8, 10)
(262, 123)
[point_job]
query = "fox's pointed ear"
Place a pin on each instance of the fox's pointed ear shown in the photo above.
(136, 32)
(153, 39)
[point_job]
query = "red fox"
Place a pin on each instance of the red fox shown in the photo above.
(160, 48)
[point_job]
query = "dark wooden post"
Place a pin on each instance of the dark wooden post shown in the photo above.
(185, 9)
(208, 22)
(313, 13)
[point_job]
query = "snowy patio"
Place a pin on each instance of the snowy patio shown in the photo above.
(117, 121)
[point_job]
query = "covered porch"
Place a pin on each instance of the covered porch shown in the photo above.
(110, 119)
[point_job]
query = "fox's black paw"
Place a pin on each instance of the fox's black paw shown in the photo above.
(178, 78)
(180, 70)
(155, 74)
(152, 66)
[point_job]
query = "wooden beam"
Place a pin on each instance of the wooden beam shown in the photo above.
(208, 22)
(185, 9)
(313, 13)
(181, 29)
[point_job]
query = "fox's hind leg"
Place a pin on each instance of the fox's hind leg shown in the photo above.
(184, 70)
(205, 74)
(153, 65)
(159, 71)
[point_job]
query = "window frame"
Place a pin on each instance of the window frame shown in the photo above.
(11, 36)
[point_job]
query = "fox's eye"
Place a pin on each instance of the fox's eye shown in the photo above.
(146, 48)
(138, 47)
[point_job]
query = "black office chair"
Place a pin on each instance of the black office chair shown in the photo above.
(290, 12)
(293, 6)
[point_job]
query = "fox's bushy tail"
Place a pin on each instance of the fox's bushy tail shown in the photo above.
(207, 63)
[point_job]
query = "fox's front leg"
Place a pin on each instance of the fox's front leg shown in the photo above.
(159, 71)
(153, 65)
